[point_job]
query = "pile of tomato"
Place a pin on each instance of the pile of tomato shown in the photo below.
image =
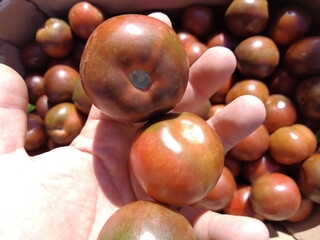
(272, 174)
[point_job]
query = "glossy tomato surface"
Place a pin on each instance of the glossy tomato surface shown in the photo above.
(177, 158)
(292, 144)
(275, 196)
(84, 18)
(257, 57)
(146, 220)
(134, 67)
(245, 18)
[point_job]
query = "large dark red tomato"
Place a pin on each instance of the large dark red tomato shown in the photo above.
(146, 220)
(177, 158)
(275, 196)
(134, 67)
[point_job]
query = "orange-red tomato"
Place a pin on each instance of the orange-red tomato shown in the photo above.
(176, 158)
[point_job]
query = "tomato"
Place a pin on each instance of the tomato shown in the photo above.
(176, 158)
(281, 111)
(307, 98)
(63, 123)
(257, 57)
(146, 220)
(222, 193)
(246, 18)
(55, 38)
(59, 83)
(309, 177)
(240, 204)
(36, 135)
(84, 18)
(275, 196)
(292, 144)
(134, 67)
(253, 146)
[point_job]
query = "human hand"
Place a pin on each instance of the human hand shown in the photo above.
(69, 192)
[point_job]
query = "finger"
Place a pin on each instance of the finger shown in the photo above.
(13, 107)
(207, 75)
(210, 225)
(162, 17)
(238, 119)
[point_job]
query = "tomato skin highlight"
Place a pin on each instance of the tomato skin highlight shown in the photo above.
(177, 159)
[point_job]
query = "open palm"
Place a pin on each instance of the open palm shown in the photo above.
(69, 192)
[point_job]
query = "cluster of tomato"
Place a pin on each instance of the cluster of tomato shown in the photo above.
(273, 174)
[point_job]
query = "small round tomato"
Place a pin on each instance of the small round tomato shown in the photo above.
(55, 38)
(275, 196)
(281, 111)
(302, 57)
(292, 144)
(222, 193)
(288, 24)
(253, 146)
(248, 87)
(63, 123)
(309, 177)
(146, 220)
(246, 18)
(36, 135)
(257, 57)
(176, 158)
(307, 98)
(84, 18)
(59, 83)
(134, 67)
(240, 204)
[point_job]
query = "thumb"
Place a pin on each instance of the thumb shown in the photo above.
(13, 106)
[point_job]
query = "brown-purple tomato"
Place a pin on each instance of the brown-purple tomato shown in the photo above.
(198, 19)
(35, 85)
(146, 220)
(36, 135)
(55, 38)
(307, 98)
(302, 57)
(288, 24)
(177, 158)
(63, 123)
(275, 196)
(59, 83)
(257, 57)
(246, 18)
(134, 67)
